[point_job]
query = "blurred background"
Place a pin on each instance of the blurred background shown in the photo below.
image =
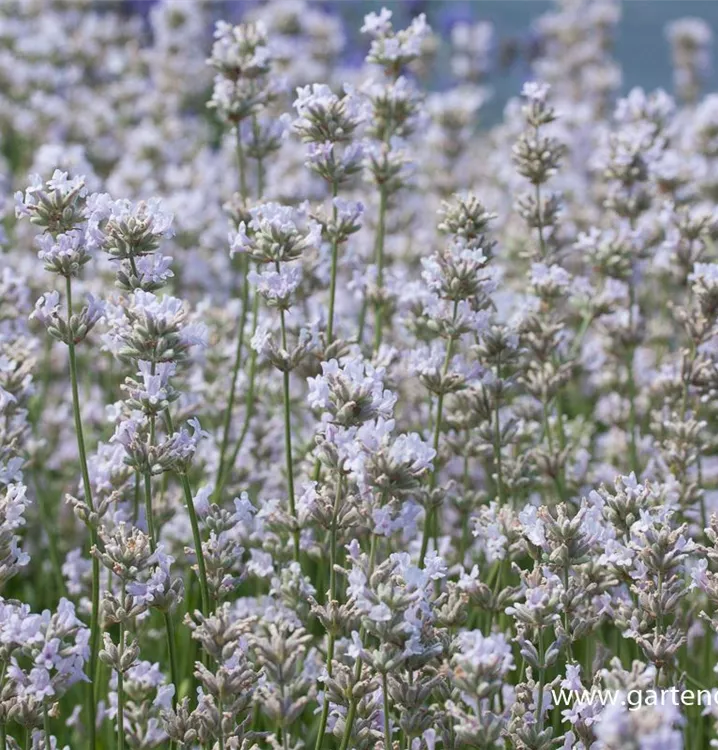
(642, 46)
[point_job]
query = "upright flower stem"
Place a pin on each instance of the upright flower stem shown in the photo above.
(428, 523)
(241, 325)
(249, 403)
(632, 390)
(379, 260)
(121, 686)
(227, 466)
(220, 739)
(241, 168)
(497, 444)
(194, 523)
(169, 625)
(87, 487)
(387, 718)
(197, 539)
(288, 434)
(542, 679)
(148, 510)
(3, 728)
(333, 282)
(539, 212)
(351, 713)
(241, 164)
(332, 597)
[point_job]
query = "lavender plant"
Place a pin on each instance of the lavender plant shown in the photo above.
(375, 428)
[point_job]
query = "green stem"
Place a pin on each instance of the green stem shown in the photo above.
(260, 178)
(633, 450)
(46, 725)
(241, 325)
(241, 165)
(542, 679)
(120, 685)
(351, 713)
(249, 405)
(220, 710)
(288, 436)
(539, 214)
(87, 487)
(387, 717)
(148, 510)
(241, 168)
(497, 442)
(136, 498)
(332, 597)
(194, 523)
(428, 523)
(349, 723)
(379, 260)
(335, 256)
(197, 539)
(169, 625)
(569, 647)
(174, 673)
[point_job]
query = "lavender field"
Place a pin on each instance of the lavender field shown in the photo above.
(335, 417)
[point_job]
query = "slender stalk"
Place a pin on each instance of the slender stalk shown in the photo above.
(659, 619)
(197, 539)
(387, 718)
(361, 323)
(351, 713)
(169, 625)
(241, 325)
(288, 435)
(249, 405)
(87, 487)
(121, 686)
(569, 646)
(148, 510)
(3, 729)
(260, 178)
(241, 165)
(428, 523)
(332, 597)
(539, 212)
(333, 282)
(226, 467)
(349, 723)
(542, 680)
(194, 523)
(46, 725)
(220, 710)
(379, 260)
(241, 168)
(136, 497)
(497, 443)
(633, 450)
(174, 673)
